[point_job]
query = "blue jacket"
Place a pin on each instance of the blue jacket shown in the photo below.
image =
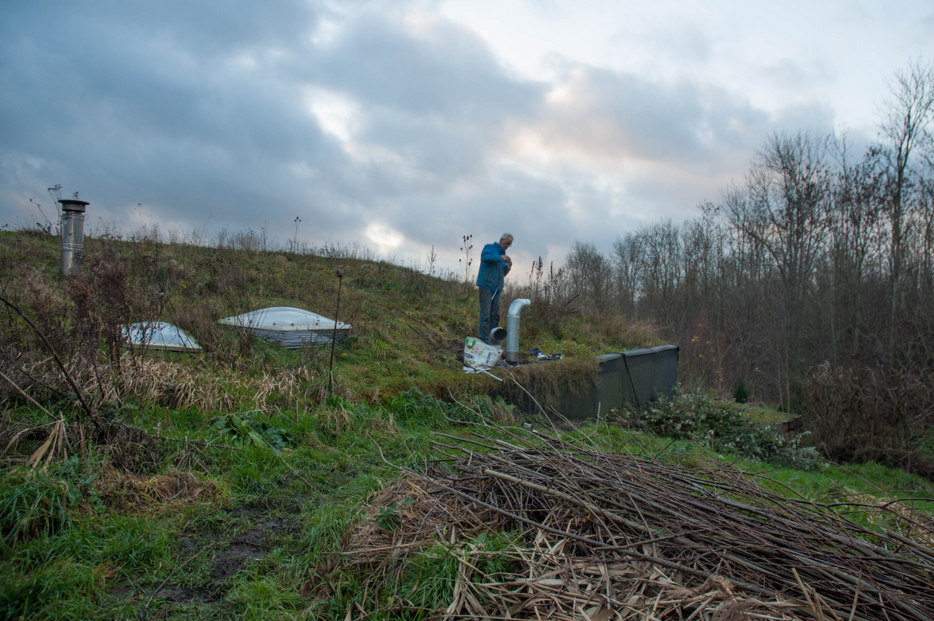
(492, 267)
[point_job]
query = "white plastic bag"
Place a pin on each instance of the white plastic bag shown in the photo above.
(480, 356)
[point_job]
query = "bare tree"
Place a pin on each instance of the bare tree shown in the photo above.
(855, 248)
(627, 262)
(590, 276)
(906, 127)
(661, 263)
(783, 209)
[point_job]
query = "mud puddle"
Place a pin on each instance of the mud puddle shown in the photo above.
(230, 554)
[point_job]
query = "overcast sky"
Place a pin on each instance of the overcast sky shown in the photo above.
(398, 126)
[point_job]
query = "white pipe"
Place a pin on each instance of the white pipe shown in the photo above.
(512, 328)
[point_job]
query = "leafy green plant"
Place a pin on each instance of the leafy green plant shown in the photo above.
(702, 418)
(414, 408)
(246, 428)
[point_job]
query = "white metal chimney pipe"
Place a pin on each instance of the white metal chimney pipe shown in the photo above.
(72, 234)
(512, 328)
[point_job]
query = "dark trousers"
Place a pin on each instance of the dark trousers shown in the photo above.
(489, 312)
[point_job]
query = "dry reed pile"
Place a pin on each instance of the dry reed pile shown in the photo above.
(126, 491)
(610, 536)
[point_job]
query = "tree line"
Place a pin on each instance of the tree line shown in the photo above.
(820, 260)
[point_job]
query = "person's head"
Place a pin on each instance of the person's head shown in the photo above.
(505, 240)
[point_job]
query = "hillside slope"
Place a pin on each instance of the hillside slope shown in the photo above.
(248, 480)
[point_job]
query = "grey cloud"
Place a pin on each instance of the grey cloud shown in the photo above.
(154, 103)
(531, 208)
(439, 100)
(813, 117)
(624, 115)
(788, 74)
(683, 42)
(203, 28)
(448, 73)
(690, 43)
(149, 105)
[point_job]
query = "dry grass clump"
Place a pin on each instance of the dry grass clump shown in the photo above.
(168, 383)
(129, 492)
(130, 448)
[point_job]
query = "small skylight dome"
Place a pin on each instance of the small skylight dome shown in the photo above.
(292, 327)
(159, 335)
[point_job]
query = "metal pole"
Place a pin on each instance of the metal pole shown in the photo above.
(340, 281)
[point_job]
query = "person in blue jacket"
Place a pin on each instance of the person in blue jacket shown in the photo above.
(494, 265)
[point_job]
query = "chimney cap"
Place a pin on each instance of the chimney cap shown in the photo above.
(73, 204)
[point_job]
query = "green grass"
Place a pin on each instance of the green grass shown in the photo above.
(66, 574)
(761, 413)
(290, 468)
(101, 562)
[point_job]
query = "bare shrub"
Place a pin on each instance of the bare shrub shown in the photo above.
(44, 301)
(249, 242)
(865, 414)
(80, 319)
(104, 302)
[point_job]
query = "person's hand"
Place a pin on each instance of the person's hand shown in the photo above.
(507, 259)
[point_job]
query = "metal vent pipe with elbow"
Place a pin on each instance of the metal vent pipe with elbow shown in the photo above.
(512, 328)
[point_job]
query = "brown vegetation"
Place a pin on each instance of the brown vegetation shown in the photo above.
(612, 536)
(128, 492)
(865, 414)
